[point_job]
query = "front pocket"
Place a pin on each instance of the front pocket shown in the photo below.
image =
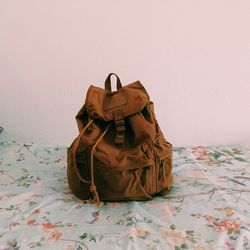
(115, 185)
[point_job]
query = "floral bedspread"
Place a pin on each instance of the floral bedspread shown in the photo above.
(207, 208)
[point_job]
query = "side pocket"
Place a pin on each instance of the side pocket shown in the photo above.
(162, 147)
(80, 189)
(140, 183)
(164, 178)
(148, 179)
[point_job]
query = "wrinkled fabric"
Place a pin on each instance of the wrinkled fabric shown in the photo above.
(207, 208)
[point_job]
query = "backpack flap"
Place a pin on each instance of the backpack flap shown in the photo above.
(126, 102)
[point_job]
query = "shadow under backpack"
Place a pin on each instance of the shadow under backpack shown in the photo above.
(120, 153)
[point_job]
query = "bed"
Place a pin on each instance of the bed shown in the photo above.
(208, 206)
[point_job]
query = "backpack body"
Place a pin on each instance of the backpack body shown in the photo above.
(120, 152)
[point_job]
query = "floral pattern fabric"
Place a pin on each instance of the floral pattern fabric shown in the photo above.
(208, 206)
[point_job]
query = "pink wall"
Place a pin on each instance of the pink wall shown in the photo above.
(192, 56)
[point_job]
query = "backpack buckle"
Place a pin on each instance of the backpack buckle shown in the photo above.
(120, 126)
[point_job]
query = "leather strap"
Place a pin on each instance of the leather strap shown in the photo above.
(108, 82)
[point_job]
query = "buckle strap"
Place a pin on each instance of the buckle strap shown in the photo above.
(119, 123)
(120, 126)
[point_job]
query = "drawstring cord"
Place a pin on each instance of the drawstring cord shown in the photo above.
(95, 196)
(74, 149)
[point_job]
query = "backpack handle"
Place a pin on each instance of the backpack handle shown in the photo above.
(108, 82)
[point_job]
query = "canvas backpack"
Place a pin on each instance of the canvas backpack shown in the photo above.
(120, 153)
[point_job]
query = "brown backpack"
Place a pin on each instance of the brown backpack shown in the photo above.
(120, 152)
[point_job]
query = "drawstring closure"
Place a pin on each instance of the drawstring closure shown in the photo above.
(93, 190)
(74, 149)
(95, 196)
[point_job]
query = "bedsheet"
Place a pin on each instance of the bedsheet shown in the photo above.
(208, 206)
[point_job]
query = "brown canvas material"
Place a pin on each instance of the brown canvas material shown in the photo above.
(120, 153)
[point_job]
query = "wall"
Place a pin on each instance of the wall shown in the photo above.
(192, 56)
